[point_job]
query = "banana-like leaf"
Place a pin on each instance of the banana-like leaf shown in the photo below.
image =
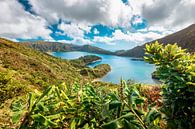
(114, 104)
(58, 93)
(31, 98)
(54, 116)
(152, 115)
(42, 120)
(46, 92)
(73, 124)
(110, 125)
(17, 116)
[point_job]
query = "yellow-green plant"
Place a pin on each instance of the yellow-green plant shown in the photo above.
(85, 107)
(176, 68)
(9, 86)
(126, 110)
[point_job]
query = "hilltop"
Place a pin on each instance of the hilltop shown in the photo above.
(184, 38)
(64, 47)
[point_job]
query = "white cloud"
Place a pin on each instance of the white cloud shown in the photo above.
(104, 39)
(174, 14)
(164, 17)
(106, 12)
(72, 30)
(15, 22)
(82, 41)
(138, 37)
(164, 31)
(78, 41)
(137, 20)
(96, 31)
(75, 31)
(137, 5)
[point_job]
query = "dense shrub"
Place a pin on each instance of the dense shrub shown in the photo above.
(85, 107)
(9, 86)
(176, 68)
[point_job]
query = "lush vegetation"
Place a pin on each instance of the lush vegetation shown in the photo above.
(9, 86)
(176, 68)
(45, 92)
(85, 60)
(29, 69)
(96, 72)
(85, 107)
(23, 69)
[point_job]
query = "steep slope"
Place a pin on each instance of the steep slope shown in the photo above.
(23, 69)
(64, 47)
(184, 38)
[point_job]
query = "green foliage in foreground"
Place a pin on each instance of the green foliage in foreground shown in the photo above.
(9, 86)
(85, 107)
(176, 68)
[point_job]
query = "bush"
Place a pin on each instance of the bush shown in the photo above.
(80, 107)
(9, 86)
(176, 68)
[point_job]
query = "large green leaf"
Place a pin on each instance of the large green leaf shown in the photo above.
(17, 116)
(110, 125)
(114, 104)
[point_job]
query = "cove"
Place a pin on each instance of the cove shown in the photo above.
(122, 67)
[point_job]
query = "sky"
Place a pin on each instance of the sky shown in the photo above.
(109, 24)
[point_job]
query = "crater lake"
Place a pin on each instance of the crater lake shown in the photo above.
(121, 67)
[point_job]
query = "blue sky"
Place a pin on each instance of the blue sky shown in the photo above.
(110, 24)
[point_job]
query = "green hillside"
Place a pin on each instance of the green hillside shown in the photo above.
(23, 69)
(70, 100)
(64, 47)
(33, 69)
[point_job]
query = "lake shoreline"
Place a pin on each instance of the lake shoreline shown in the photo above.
(126, 67)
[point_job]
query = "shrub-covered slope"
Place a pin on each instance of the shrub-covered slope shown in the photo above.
(29, 69)
(23, 69)
(184, 38)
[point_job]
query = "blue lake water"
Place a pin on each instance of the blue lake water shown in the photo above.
(122, 67)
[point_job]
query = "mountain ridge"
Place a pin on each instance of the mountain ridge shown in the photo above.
(185, 38)
(65, 47)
